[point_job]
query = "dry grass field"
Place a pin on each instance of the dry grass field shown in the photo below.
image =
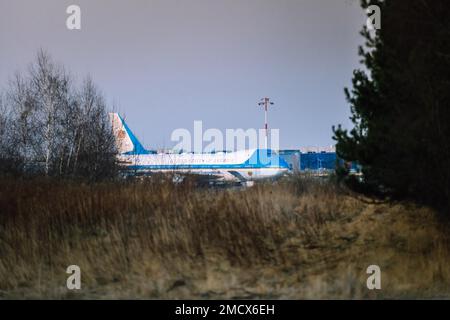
(295, 239)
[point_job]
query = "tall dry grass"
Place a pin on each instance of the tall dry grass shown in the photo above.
(298, 238)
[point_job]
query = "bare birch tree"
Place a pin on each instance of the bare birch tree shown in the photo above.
(56, 128)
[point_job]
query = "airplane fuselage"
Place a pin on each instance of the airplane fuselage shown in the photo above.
(245, 165)
(241, 166)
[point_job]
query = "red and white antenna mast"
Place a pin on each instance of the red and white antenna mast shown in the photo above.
(266, 103)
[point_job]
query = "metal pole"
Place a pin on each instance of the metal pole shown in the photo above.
(266, 102)
(265, 119)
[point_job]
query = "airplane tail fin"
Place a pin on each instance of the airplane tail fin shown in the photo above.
(126, 141)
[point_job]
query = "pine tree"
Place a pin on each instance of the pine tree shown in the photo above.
(400, 103)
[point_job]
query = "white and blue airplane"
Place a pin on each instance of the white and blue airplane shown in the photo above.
(239, 166)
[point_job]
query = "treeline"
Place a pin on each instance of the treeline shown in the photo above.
(50, 126)
(400, 104)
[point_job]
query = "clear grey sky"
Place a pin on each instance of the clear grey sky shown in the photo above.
(166, 63)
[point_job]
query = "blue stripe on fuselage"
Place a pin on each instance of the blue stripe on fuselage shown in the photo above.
(261, 158)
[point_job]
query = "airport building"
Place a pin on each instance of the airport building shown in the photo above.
(313, 159)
